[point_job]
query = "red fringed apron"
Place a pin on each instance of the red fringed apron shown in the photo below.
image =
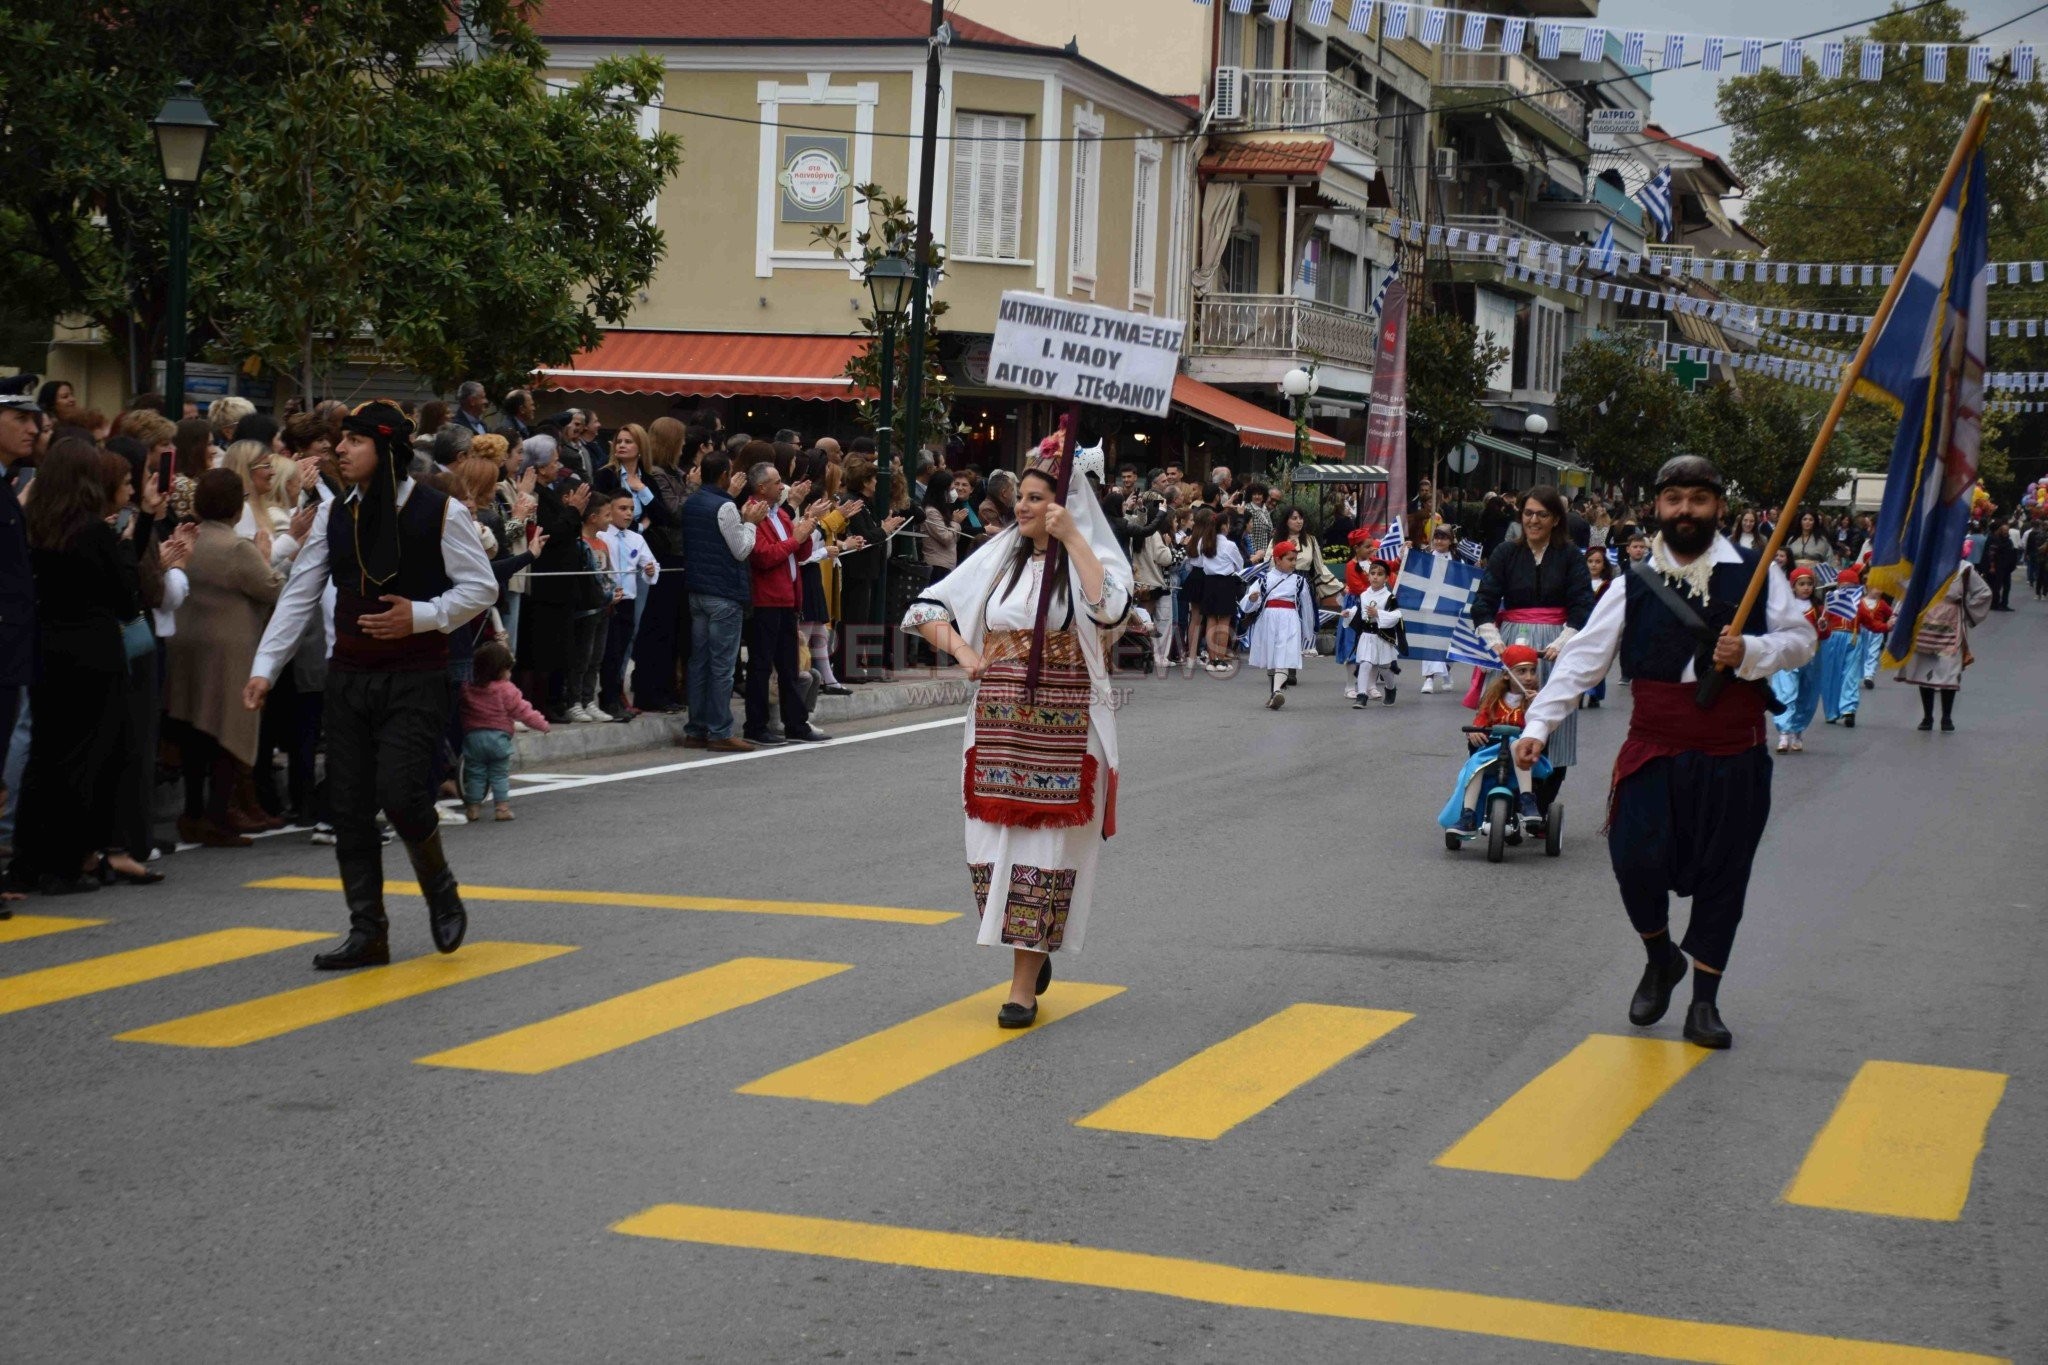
(1030, 766)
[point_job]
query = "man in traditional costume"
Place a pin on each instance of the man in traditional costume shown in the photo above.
(1286, 621)
(1040, 768)
(407, 567)
(1692, 784)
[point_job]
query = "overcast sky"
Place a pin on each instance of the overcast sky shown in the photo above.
(1684, 101)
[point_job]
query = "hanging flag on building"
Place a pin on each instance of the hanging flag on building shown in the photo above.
(1655, 198)
(1928, 365)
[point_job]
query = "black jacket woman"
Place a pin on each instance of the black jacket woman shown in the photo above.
(1536, 592)
(86, 593)
(557, 586)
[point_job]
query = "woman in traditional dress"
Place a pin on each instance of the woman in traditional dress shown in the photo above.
(1941, 646)
(1040, 769)
(1536, 592)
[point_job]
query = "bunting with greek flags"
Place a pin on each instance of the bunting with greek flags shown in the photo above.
(1928, 365)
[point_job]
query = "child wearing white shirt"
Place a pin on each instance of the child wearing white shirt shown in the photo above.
(633, 565)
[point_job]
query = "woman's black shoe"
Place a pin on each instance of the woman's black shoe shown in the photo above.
(50, 884)
(1927, 724)
(1017, 1016)
(109, 874)
(1044, 976)
(1948, 727)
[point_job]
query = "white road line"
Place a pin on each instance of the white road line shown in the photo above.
(717, 760)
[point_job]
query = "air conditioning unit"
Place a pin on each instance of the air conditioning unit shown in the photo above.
(1444, 165)
(1228, 106)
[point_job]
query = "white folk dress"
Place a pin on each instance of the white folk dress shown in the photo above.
(1286, 621)
(1039, 802)
(1375, 653)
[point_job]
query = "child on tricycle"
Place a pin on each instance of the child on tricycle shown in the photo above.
(1509, 812)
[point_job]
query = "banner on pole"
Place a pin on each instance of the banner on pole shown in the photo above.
(1386, 427)
(1085, 354)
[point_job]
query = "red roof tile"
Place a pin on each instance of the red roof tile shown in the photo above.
(722, 20)
(1306, 156)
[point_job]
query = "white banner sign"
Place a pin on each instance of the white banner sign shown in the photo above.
(1085, 354)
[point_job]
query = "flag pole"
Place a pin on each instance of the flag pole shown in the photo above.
(1973, 135)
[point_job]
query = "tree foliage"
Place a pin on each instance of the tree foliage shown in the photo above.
(892, 231)
(1841, 170)
(1621, 412)
(1448, 362)
(373, 193)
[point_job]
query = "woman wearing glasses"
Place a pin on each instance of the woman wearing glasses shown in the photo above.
(1537, 592)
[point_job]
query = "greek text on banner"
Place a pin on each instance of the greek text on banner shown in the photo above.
(1085, 354)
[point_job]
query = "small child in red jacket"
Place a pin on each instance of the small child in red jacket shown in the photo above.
(490, 706)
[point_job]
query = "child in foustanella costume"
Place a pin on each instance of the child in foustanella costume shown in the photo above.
(1285, 624)
(1356, 581)
(407, 568)
(1692, 784)
(1039, 771)
(1378, 623)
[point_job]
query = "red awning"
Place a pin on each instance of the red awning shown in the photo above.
(1258, 427)
(714, 364)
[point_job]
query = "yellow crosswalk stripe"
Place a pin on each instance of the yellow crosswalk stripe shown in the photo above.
(881, 914)
(1209, 1282)
(35, 926)
(1215, 1090)
(95, 974)
(635, 1016)
(1903, 1142)
(1558, 1125)
(252, 1021)
(883, 1063)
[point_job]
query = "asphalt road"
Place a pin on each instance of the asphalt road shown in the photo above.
(315, 1193)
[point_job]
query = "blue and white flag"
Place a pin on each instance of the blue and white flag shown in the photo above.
(1392, 541)
(1435, 595)
(1603, 250)
(1824, 574)
(1842, 602)
(1466, 647)
(1655, 198)
(1471, 551)
(1928, 365)
(1614, 554)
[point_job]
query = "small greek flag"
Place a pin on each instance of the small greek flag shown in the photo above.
(1842, 602)
(1655, 198)
(1603, 250)
(1614, 554)
(1824, 574)
(1471, 551)
(1392, 542)
(1466, 647)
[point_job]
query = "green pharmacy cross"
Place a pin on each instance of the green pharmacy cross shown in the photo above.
(1688, 373)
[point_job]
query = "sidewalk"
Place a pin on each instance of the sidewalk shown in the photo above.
(535, 752)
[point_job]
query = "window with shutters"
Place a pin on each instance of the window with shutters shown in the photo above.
(1144, 224)
(986, 220)
(1084, 213)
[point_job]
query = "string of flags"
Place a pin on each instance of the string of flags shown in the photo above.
(1467, 30)
(1714, 269)
(1805, 373)
(1747, 317)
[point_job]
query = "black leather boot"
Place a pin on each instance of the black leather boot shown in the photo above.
(369, 934)
(1703, 1026)
(1653, 992)
(446, 918)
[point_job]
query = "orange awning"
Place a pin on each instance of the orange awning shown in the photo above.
(1258, 427)
(714, 364)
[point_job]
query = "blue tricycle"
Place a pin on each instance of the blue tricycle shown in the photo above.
(1504, 813)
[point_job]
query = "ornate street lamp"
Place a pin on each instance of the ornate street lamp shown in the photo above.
(184, 131)
(1535, 424)
(890, 284)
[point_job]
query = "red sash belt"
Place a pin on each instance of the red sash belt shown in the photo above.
(1270, 606)
(1532, 616)
(1667, 721)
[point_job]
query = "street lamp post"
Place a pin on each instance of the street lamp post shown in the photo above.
(1535, 424)
(1299, 385)
(184, 131)
(890, 280)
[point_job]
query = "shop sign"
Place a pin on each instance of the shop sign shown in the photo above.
(813, 179)
(1085, 354)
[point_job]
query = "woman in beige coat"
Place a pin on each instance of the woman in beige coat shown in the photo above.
(233, 589)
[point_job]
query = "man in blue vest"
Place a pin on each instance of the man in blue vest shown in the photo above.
(408, 568)
(1692, 784)
(718, 542)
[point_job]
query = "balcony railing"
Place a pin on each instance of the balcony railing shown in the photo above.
(1312, 102)
(1479, 226)
(1539, 90)
(1276, 327)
